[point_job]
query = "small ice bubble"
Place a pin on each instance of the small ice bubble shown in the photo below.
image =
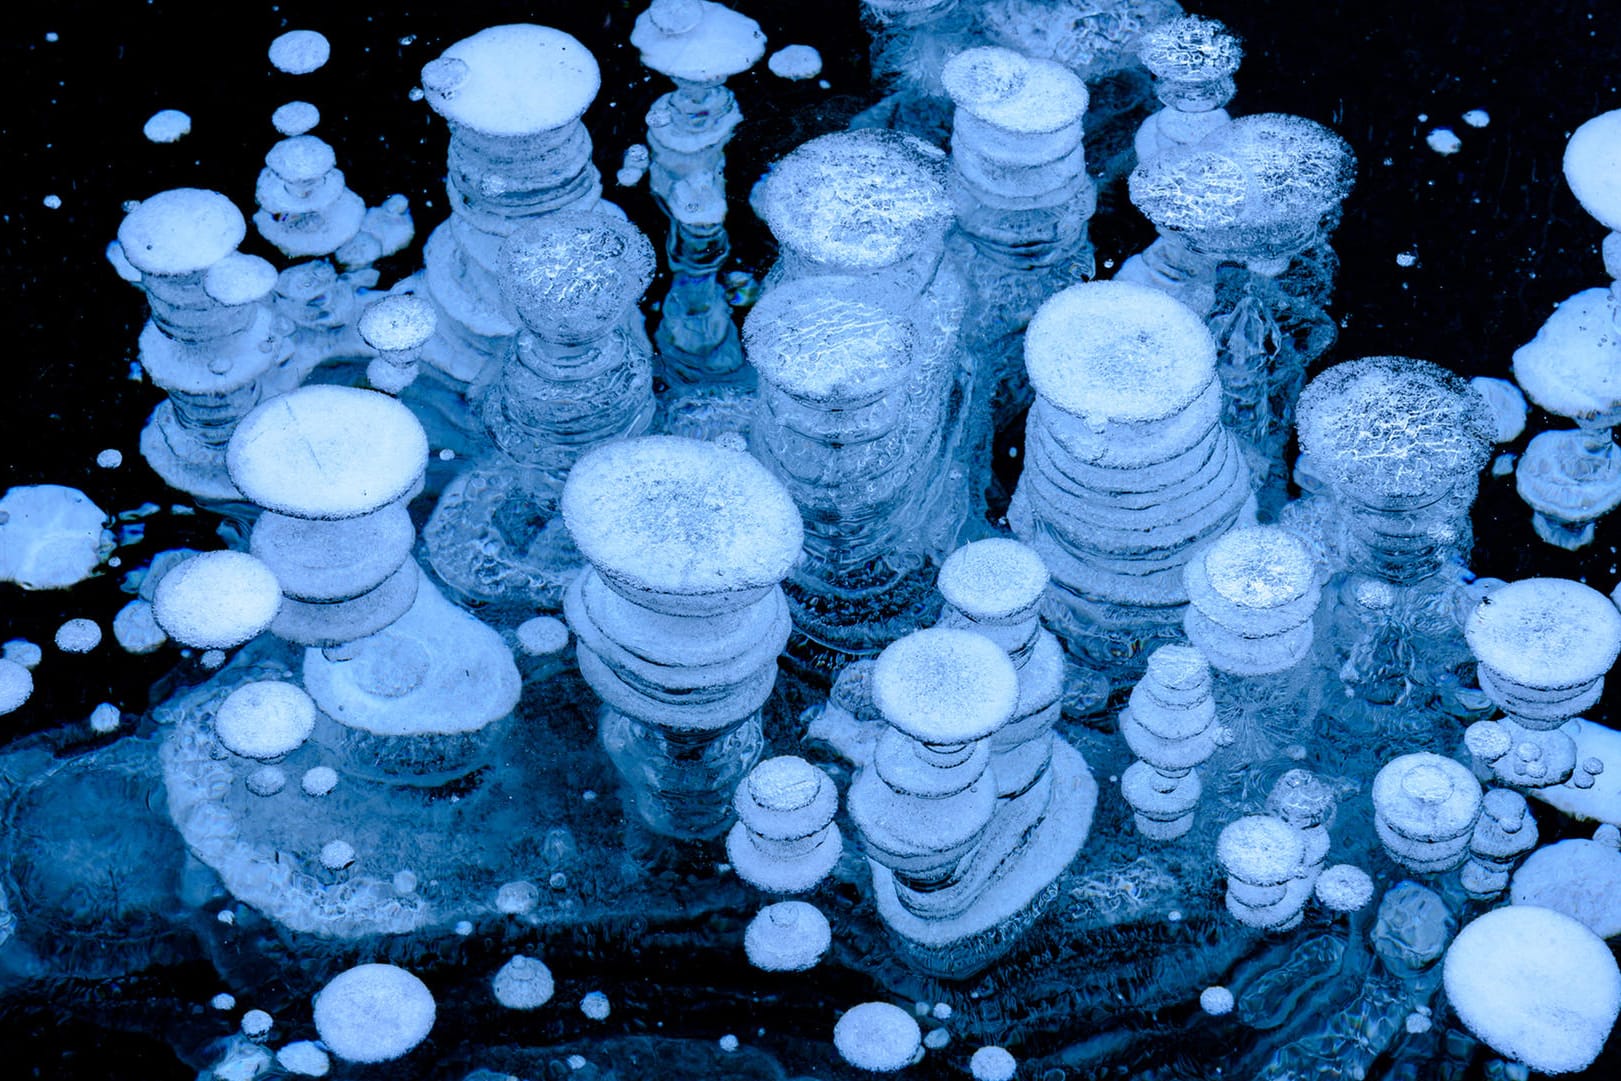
(408, 39)
(299, 52)
(16, 685)
(167, 126)
(256, 1024)
(1444, 141)
(23, 652)
(217, 600)
(558, 881)
(1216, 1001)
(226, 916)
(524, 983)
(78, 636)
(463, 927)
(1507, 403)
(790, 936)
(223, 1001)
(993, 1064)
(1344, 888)
(295, 118)
(576, 1062)
(936, 1039)
(373, 1013)
(1477, 118)
(52, 36)
(111, 458)
(104, 718)
(405, 882)
(211, 659)
(595, 1005)
(795, 62)
(542, 636)
(415, 94)
(824, 84)
(265, 720)
(304, 1058)
(517, 898)
(447, 455)
(728, 1043)
(266, 781)
(52, 202)
(1407, 259)
(319, 780)
(628, 178)
(1416, 1023)
(877, 1036)
(941, 1011)
(336, 855)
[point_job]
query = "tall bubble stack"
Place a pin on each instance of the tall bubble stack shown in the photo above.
(1170, 725)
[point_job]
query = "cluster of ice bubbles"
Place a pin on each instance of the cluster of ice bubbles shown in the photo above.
(729, 575)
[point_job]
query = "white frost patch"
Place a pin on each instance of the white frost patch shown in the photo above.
(16, 685)
(78, 636)
(1477, 118)
(524, 983)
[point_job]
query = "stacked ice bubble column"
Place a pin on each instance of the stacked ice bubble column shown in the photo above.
(680, 616)
(307, 211)
(1023, 201)
(1258, 198)
(1572, 478)
(1192, 60)
(1251, 598)
(211, 337)
(1170, 725)
(1544, 646)
(832, 423)
(1127, 467)
(513, 97)
(1394, 446)
(785, 840)
(927, 798)
(1268, 877)
(1425, 807)
(579, 373)
(872, 205)
(699, 45)
(413, 684)
(1504, 832)
(396, 328)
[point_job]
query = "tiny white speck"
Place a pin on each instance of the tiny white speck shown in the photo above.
(110, 458)
(52, 35)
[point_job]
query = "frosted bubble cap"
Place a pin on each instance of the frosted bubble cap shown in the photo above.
(1427, 797)
(1546, 633)
(1573, 365)
(790, 936)
(265, 719)
(51, 536)
(1260, 850)
(295, 118)
(858, 199)
(993, 579)
(878, 1036)
(373, 1013)
(327, 452)
(299, 52)
(397, 323)
(945, 686)
(679, 516)
(1113, 351)
(1394, 427)
(696, 40)
(513, 80)
(217, 600)
(240, 279)
(1535, 985)
(1259, 567)
(1344, 888)
(1593, 167)
(523, 983)
(1192, 48)
(1016, 93)
(1578, 877)
(181, 231)
(817, 338)
(572, 274)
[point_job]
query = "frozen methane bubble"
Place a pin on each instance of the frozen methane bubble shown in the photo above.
(23, 652)
(993, 1064)
(105, 718)
(1251, 598)
(295, 118)
(878, 1037)
(1578, 877)
(373, 1013)
(266, 781)
(595, 1006)
(517, 898)
(1216, 1001)
(523, 983)
(398, 327)
(790, 936)
(16, 684)
(795, 62)
(1170, 725)
(512, 80)
(304, 1058)
(336, 855)
(542, 636)
(167, 126)
(256, 1024)
(1425, 807)
(1344, 888)
(1593, 168)
(217, 600)
(1266, 864)
(78, 635)
(265, 719)
(319, 780)
(1536, 986)
(51, 537)
(299, 52)
(696, 41)
(1507, 405)
(785, 840)
(1193, 60)
(111, 458)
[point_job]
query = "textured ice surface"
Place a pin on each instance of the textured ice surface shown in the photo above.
(1191, 49)
(78, 635)
(795, 62)
(945, 686)
(295, 118)
(181, 231)
(1546, 633)
(993, 1064)
(1535, 985)
(512, 80)
(572, 275)
(878, 1037)
(1573, 365)
(789, 936)
(1577, 877)
(16, 685)
(51, 537)
(373, 1013)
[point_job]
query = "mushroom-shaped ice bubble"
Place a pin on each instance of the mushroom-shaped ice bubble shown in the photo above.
(789, 936)
(523, 983)
(878, 1037)
(1536, 986)
(373, 1013)
(51, 537)
(265, 719)
(217, 600)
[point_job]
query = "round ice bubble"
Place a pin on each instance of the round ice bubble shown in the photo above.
(822, 339)
(51, 536)
(304, 1058)
(397, 322)
(947, 686)
(166, 126)
(265, 719)
(240, 279)
(181, 231)
(573, 275)
(1260, 850)
(78, 635)
(993, 1064)
(1216, 1001)
(697, 40)
(295, 118)
(1535, 985)
(373, 1013)
(16, 685)
(993, 580)
(789, 936)
(1344, 888)
(595, 1006)
(1593, 167)
(1546, 633)
(217, 600)
(256, 1024)
(542, 636)
(1578, 877)
(299, 52)
(795, 62)
(512, 80)
(1118, 352)
(523, 983)
(878, 1037)
(1426, 797)
(1507, 405)
(1191, 48)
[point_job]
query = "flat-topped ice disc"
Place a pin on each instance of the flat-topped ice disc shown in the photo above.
(327, 452)
(1117, 352)
(181, 231)
(682, 517)
(217, 600)
(820, 339)
(1426, 797)
(1593, 167)
(1546, 633)
(573, 274)
(697, 40)
(519, 79)
(1573, 365)
(1014, 92)
(857, 199)
(993, 579)
(945, 686)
